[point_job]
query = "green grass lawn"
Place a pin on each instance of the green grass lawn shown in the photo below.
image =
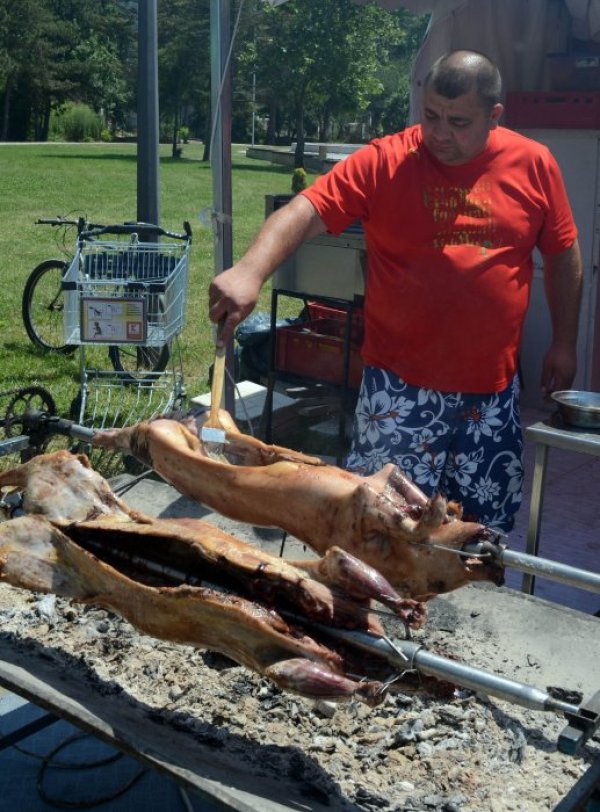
(99, 181)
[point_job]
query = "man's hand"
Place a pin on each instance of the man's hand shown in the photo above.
(232, 295)
(558, 370)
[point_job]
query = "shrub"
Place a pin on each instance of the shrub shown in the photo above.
(75, 122)
(298, 180)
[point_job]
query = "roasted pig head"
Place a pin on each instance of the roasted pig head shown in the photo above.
(383, 519)
(188, 582)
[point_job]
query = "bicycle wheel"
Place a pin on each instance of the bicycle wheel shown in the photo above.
(137, 363)
(43, 305)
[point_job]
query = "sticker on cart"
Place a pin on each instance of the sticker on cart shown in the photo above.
(115, 321)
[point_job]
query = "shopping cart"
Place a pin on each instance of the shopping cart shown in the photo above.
(127, 286)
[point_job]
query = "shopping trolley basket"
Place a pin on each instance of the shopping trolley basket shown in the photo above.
(127, 283)
(126, 287)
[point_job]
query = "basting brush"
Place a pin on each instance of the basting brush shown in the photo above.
(212, 432)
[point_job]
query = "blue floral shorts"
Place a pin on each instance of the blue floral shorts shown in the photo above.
(467, 447)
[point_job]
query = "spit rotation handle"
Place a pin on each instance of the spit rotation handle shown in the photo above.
(37, 423)
(581, 726)
(544, 567)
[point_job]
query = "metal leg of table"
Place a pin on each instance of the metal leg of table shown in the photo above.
(344, 386)
(267, 416)
(535, 512)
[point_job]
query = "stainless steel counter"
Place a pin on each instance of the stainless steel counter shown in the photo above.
(548, 435)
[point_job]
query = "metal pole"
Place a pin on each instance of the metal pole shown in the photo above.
(220, 153)
(552, 570)
(410, 655)
(544, 567)
(535, 512)
(147, 113)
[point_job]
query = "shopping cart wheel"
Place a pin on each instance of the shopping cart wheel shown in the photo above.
(136, 363)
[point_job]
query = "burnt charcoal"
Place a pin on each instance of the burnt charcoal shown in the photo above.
(565, 695)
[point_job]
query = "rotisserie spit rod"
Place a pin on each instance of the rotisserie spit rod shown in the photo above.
(407, 655)
(544, 567)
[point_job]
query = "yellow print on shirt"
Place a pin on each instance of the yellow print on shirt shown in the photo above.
(450, 205)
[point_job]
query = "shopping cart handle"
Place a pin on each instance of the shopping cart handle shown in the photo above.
(132, 227)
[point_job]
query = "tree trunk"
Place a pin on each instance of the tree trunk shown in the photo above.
(175, 151)
(272, 126)
(324, 125)
(45, 122)
(327, 124)
(8, 89)
(42, 120)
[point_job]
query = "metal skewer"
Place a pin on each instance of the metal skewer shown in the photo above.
(408, 654)
(584, 720)
(544, 567)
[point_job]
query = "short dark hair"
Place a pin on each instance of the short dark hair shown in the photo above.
(458, 72)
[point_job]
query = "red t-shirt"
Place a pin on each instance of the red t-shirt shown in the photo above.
(449, 252)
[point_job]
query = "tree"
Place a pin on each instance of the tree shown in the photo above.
(319, 58)
(317, 64)
(67, 50)
(184, 61)
(26, 51)
(389, 109)
(103, 63)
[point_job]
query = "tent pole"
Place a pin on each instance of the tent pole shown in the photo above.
(220, 155)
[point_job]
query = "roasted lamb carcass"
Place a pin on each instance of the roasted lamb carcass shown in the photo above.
(188, 582)
(384, 519)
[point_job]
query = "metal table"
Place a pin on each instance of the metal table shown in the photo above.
(546, 435)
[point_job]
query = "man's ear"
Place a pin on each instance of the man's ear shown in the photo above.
(495, 115)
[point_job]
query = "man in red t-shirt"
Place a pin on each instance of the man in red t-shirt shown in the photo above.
(452, 210)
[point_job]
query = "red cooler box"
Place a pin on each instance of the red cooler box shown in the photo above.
(315, 349)
(316, 310)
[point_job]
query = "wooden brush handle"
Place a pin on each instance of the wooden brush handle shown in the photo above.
(218, 381)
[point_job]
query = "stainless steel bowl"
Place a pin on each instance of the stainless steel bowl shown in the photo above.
(581, 409)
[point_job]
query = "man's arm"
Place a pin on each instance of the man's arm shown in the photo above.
(233, 294)
(563, 283)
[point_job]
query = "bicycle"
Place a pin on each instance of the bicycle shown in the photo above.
(43, 305)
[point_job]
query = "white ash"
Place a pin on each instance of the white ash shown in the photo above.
(414, 753)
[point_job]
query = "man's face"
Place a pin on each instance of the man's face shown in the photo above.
(456, 130)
